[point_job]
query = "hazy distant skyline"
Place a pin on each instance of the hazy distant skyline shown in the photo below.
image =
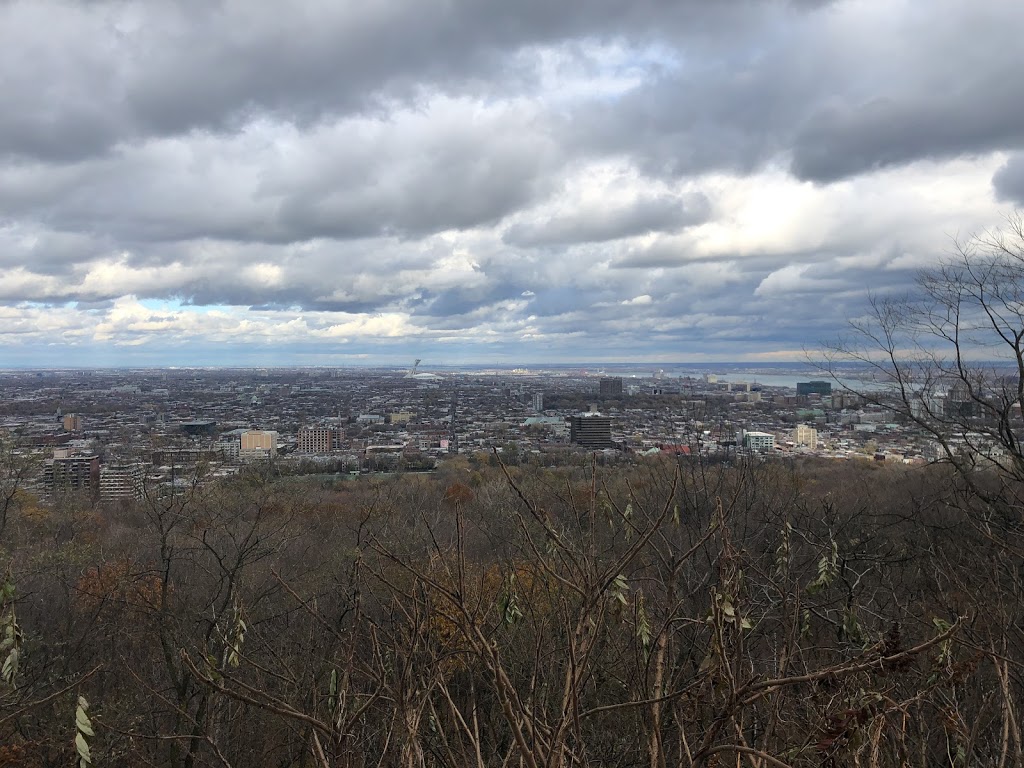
(472, 182)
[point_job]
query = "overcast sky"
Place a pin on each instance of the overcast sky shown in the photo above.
(341, 182)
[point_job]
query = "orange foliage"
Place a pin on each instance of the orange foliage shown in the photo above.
(118, 583)
(506, 595)
(458, 494)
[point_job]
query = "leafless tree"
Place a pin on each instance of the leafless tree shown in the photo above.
(949, 359)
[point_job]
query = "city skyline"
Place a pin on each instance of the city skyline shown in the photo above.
(482, 183)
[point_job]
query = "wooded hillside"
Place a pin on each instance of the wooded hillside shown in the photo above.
(762, 614)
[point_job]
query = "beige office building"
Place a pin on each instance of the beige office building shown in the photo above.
(258, 444)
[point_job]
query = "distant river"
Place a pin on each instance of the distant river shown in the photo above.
(789, 380)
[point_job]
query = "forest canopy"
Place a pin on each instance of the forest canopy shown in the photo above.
(669, 613)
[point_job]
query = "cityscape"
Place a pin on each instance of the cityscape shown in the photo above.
(110, 435)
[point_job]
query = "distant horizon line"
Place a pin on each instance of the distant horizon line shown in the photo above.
(449, 366)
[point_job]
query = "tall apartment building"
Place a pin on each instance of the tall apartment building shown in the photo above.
(961, 401)
(841, 400)
(258, 444)
(122, 481)
(72, 423)
(924, 406)
(806, 435)
(320, 439)
(611, 386)
(591, 430)
(538, 401)
(72, 474)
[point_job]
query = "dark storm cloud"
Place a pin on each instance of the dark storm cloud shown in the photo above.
(941, 81)
(648, 213)
(753, 78)
(700, 118)
(844, 141)
(455, 187)
(112, 72)
(1009, 180)
(555, 300)
(838, 100)
(47, 252)
(412, 176)
(459, 301)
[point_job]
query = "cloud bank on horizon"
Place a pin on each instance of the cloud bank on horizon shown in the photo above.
(476, 180)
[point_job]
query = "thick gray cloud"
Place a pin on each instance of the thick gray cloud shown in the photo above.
(607, 221)
(656, 178)
(838, 93)
(162, 68)
(842, 141)
(1009, 180)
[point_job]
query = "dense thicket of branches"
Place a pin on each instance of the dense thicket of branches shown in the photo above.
(661, 615)
(948, 358)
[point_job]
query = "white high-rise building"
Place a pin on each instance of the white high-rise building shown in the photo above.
(805, 435)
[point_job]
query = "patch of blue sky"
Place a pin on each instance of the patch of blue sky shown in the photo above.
(161, 305)
(176, 305)
(594, 69)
